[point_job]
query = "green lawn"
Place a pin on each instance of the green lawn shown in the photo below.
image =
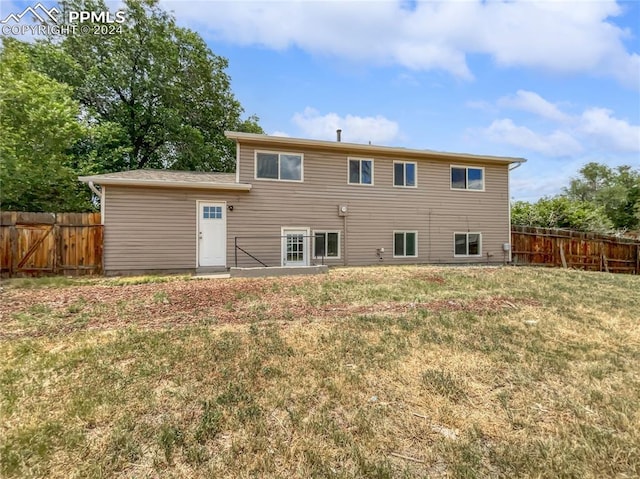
(384, 372)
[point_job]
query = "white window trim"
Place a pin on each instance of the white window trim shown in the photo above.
(393, 244)
(255, 165)
(393, 174)
(466, 167)
(467, 233)
(349, 159)
(313, 233)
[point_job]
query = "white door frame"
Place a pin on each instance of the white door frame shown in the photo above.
(306, 245)
(224, 239)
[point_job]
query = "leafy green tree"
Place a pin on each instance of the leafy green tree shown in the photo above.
(160, 83)
(561, 212)
(39, 127)
(616, 191)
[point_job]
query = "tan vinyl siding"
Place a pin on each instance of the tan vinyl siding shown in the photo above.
(433, 209)
(155, 228)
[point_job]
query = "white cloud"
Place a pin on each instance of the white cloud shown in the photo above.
(355, 129)
(612, 132)
(562, 37)
(595, 129)
(534, 103)
(556, 144)
(280, 133)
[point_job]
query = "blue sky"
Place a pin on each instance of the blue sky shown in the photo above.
(556, 82)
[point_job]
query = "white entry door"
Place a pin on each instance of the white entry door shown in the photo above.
(212, 234)
(294, 247)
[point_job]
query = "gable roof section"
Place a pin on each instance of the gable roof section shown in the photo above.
(169, 179)
(360, 149)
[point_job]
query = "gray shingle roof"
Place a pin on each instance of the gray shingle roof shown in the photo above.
(169, 179)
(169, 175)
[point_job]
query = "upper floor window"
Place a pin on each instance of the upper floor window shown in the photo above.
(360, 172)
(279, 166)
(404, 174)
(467, 178)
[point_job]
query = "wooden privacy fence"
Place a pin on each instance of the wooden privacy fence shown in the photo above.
(41, 244)
(574, 249)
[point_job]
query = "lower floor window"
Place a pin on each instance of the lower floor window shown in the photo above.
(405, 243)
(327, 244)
(467, 244)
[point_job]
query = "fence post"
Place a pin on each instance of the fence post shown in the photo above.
(57, 260)
(13, 249)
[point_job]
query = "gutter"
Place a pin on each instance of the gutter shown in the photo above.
(356, 148)
(95, 190)
(167, 184)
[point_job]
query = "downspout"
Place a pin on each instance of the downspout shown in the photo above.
(237, 161)
(95, 190)
(517, 165)
(346, 242)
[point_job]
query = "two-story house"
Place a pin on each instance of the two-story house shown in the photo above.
(298, 202)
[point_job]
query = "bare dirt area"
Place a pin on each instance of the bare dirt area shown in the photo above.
(37, 312)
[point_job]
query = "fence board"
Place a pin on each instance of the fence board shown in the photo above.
(40, 244)
(589, 251)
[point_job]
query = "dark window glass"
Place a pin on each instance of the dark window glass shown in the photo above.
(354, 171)
(459, 178)
(475, 179)
(410, 174)
(461, 244)
(398, 244)
(398, 174)
(320, 244)
(365, 166)
(474, 244)
(332, 244)
(290, 167)
(410, 249)
(267, 165)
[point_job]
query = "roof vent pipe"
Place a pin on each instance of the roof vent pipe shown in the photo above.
(338, 135)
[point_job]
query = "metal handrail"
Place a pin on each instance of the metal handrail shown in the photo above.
(236, 247)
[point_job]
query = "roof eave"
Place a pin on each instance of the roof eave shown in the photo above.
(166, 184)
(371, 149)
